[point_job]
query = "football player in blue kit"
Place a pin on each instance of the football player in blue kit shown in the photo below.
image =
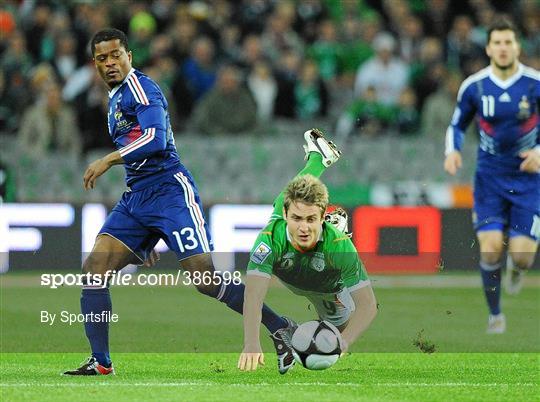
(505, 98)
(161, 201)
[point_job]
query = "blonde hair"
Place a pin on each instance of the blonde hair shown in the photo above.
(307, 189)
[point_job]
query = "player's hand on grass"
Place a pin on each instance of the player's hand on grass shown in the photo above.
(93, 171)
(453, 162)
(251, 358)
(531, 161)
(152, 259)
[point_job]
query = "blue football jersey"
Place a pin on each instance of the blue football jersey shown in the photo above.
(140, 128)
(506, 116)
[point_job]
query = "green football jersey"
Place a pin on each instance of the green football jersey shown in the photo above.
(329, 267)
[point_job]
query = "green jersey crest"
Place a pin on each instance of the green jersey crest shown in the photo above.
(332, 265)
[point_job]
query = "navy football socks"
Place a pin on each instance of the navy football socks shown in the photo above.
(491, 278)
(233, 296)
(97, 300)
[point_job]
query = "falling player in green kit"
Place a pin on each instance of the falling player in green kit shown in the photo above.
(313, 255)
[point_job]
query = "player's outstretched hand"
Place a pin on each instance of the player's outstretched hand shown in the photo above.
(249, 361)
(453, 162)
(152, 259)
(531, 161)
(93, 171)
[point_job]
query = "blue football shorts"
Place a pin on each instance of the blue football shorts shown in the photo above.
(170, 210)
(507, 202)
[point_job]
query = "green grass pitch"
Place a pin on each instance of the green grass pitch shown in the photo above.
(173, 344)
(196, 377)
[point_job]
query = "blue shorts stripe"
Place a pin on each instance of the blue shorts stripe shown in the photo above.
(162, 210)
(194, 210)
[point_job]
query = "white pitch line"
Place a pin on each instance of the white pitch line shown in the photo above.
(301, 384)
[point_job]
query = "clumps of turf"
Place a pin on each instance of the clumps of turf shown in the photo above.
(425, 345)
(217, 367)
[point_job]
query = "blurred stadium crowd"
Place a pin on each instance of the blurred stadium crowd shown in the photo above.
(363, 68)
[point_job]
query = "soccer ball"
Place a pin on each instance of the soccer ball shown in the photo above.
(316, 345)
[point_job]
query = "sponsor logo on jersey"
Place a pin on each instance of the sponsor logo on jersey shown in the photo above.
(262, 251)
(505, 98)
(122, 124)
(524, 108)
(317, 262)
(287, 261)
(119, 117)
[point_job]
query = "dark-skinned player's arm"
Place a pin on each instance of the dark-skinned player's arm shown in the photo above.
(153, 124)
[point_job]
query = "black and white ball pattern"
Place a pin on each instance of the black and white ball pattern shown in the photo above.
(317, 344)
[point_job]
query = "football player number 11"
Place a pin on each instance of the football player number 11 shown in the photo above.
(189, 242)
(488, 105)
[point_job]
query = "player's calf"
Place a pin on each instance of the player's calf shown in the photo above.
(491, 280)
(513, 282)
(201, 265)
(227, 291)
(522, 251)
(108, 254)
(516, 268)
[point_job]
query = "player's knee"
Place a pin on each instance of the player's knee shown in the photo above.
(522, 261)
(491, 258)
(491, 252)
(96, 263)
(90, 264)
(203, 273)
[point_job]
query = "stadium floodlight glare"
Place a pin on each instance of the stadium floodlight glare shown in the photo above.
(28, 238)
